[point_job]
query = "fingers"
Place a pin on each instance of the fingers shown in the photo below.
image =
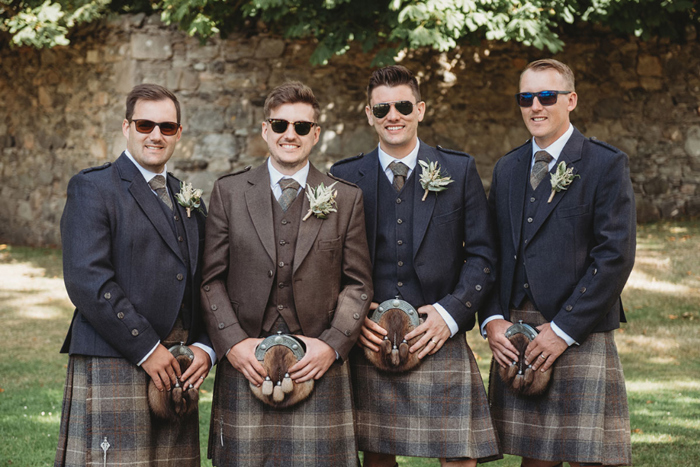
(371, 325)
(242, 358)
(431, 347)
(369, 339)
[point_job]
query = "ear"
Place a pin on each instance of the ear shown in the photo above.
(317, 133)
(370, 117)
(420, 106)
(264, 131)
(572, 102)
(125, 128)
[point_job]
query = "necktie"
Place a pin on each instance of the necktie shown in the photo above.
(400, 171)
(290, 187)
(540, 169)
(157, 184)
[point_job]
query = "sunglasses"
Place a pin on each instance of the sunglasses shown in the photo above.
(382, 109)
(147, 126)
(546, 98)
(280, 126)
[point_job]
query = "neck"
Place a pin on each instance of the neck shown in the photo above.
(399, 151)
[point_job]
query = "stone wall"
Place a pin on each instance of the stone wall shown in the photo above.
(61, 109)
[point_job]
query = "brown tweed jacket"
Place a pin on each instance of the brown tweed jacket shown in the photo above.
(332, 274)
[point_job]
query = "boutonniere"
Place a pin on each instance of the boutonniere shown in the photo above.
(321, 200)
(189, 198)
(431, 179)
(561, 179)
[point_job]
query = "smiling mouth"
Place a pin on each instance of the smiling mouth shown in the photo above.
(289, 146)
(394, 127)
(153, 148)
(539, 119)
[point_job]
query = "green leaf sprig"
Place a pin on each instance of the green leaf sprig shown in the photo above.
(561, 179)
(189, 198)
(321, 201)
(431, 179)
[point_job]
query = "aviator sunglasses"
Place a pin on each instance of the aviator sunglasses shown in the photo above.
(280, 126)
(147, 126)
(382, 109)
(546, 98)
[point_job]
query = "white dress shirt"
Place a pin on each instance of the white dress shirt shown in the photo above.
(410, 161)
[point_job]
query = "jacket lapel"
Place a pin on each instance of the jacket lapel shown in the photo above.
(422, 210)
(147, 201)
(518, 188)
(259, 202)
(308, 229)
(368, 183)
(570, 154)
(190, 223)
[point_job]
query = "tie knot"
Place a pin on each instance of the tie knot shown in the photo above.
(287, 183)
(543, 156)
(157, 182)
(399, 169)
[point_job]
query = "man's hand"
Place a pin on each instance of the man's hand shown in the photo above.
(242, 358)
(198, 369)
(319, 357)
(162, 367)
(370, 329)
(503, 351)
(543, 351)
(436, 332)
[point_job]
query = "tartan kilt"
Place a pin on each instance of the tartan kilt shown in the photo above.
(317, 431)
(106, 399)
(583, 417)
(438, 409)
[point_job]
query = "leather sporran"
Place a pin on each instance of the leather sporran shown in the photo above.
(179, 402)
(278, 353)
(399, 318)
(519, 376)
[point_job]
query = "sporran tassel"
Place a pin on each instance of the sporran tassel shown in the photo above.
(287, 384)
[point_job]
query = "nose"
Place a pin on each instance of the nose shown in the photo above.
(393, 113)
(536, 105)
(290, 133)
(155, 133)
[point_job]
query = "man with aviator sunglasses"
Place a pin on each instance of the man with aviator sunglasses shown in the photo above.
(436, 253)
(272, 266)
(131, 267)
(566, 251)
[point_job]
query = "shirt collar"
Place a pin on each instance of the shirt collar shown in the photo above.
(147, 174)
(556, 147)
(410, 160)
(275, 175)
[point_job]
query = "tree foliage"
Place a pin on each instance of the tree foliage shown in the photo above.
(382, 26)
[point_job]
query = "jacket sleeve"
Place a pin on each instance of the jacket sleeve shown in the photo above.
(219, 316)
(356, 285)
(477, 274)
(89, 274)
(612, 253)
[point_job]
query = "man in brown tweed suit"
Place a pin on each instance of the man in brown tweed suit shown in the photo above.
(269, 267)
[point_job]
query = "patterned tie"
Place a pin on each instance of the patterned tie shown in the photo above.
(400, 171)
(157, 184)
(540, 169)
(290, 187)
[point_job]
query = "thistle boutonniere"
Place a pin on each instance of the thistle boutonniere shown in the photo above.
(321, 200)
(189, 198)
(561, 179)
(431, 179)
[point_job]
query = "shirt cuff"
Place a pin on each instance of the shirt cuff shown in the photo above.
(148, 354)
(488, 320)
(208, 350)
(557, 330)
(449, 320)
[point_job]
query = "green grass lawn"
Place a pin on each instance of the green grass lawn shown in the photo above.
(659, 347)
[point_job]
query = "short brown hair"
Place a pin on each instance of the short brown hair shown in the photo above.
(393, 75)
(291, 92)
(556, 65)
(149, 92)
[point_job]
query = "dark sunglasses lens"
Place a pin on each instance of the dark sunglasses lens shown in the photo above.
(405, 107)
(168, 128)
(279, 126)
(381, 110)
(547, 97)
(302, 128)
(525, 99)
(144, 126)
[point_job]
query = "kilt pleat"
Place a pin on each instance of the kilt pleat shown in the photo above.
(106, 399)
(583, 417)
(318, 431)
(436, 410)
